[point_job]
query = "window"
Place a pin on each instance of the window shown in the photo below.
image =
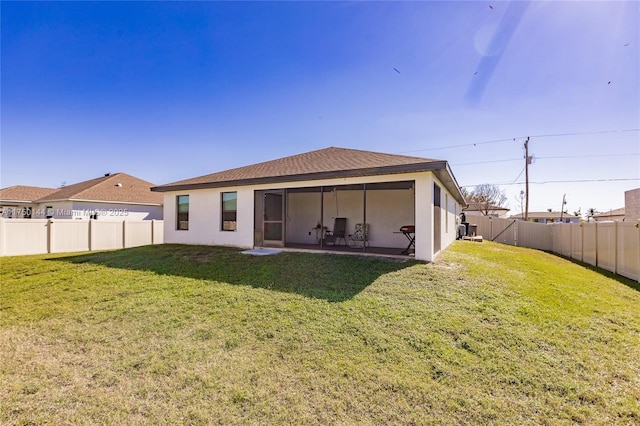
(49, 211)
(182, 202)
(229, 210)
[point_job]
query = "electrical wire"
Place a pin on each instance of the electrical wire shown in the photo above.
(599, 132)
(557, 181)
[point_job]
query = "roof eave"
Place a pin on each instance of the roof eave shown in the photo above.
(404, 168)
(137, 203)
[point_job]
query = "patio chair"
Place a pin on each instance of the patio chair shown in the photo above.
(339, 232)
(360, 237)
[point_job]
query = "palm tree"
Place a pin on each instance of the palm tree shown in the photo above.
(591, 212)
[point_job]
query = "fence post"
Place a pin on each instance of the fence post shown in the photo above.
(90, 236)
(124, 234)
(615, 246)
(596, 231)
(581, 242)
(2, 236)
(153, 225)
(637, 226)
(50, 236)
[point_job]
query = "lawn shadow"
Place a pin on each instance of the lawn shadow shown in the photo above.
(331, 277)
(621, 279)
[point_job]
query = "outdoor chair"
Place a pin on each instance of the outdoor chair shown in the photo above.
(339, 232)
(360, 237)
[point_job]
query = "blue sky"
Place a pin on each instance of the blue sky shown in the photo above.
(172, 90)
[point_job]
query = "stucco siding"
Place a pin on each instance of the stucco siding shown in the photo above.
(387, 211)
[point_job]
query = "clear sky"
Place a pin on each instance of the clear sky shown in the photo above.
(172, 90)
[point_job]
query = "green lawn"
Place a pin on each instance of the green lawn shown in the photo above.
(487, 334)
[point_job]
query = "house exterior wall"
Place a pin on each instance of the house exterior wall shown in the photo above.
(205, 212)
(15, 210)
(82, 210)
(632, 204)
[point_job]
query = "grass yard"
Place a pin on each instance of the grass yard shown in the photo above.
(487, 334)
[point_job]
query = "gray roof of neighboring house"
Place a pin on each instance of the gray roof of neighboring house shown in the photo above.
(114, 188)
(320, 164)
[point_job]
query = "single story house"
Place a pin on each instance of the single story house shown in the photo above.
(19, 202)
(481, 209)
(616, 214)
(293, 202)
(548, 217)
(116, 196)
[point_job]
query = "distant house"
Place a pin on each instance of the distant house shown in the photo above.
(409, 204)
(20, 201)
(617, 214)
(481, 209)
(116, 196)
(548, 217)
(632, 204)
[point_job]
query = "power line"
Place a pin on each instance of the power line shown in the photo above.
(599, 132)
(548, 158)
(558, 181)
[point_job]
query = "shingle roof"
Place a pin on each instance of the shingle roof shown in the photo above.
(319, 164)
(482, 207)
(24, 193)
(116, 187)
(545, 215)
(615, 212)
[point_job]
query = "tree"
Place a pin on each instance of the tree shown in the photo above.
(487, 197)
(591, 212)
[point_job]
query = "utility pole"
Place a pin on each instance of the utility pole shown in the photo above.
(527, 161)
(562, 208)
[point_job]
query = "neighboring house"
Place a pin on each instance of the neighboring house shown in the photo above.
(548, 217)
(617, 214)
(480, 209)
(632, 204)
(116, 196)
(20, 201)
(289, 201)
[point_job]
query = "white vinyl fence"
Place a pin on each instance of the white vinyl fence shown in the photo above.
(39, 236)
(614, 246)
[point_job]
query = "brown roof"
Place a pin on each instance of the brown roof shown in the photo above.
(323, 163)
(116, 187)
(482, 207)
(24, 193)
(545, 215)
(615, 212)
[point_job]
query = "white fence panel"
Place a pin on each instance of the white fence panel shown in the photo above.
(483, 223)
(576, 241)
(628, 250)
(40, 236)
(505, 231)
(606, 235)
(157, 227)
(556, 232)
(106, 235)
(69, 235)
(138, 233)
(535, 235)
(23, 236)
(565, 231)
(590, 243)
